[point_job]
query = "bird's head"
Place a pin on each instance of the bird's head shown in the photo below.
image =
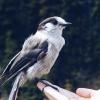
(53, 25)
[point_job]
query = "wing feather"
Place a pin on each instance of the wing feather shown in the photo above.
(25, 61)
(9, 64)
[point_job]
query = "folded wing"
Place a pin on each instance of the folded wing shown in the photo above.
(22, 63)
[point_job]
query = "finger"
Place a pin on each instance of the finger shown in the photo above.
(62, 91)
(41, 86)
(51, 93)
(86, 93)
(55, 95)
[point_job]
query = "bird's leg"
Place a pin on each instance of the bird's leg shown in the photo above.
(15, 88)
(48, 84)
(36, 80)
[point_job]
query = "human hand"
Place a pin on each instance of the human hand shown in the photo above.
(62, 94)
(88, 94)
(59, 94)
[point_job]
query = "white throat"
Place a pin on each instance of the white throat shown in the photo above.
(53, 37)
(53, 33)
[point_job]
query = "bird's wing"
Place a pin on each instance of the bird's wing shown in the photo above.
(25, 61)
(9, 64)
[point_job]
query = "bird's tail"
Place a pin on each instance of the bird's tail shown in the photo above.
(1, 83)
(2, 80)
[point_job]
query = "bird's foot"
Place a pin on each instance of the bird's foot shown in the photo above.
(36, 80)
(48, 84)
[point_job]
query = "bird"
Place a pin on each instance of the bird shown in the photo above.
(39, 52)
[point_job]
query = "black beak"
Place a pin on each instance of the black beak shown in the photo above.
(64, 25)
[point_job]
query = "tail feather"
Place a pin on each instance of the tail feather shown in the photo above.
(2, 81)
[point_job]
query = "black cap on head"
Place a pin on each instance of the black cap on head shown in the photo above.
(54, 20)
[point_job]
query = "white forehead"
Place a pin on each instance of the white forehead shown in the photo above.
(60, 20)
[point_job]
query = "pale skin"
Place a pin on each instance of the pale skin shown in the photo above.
(81, 93)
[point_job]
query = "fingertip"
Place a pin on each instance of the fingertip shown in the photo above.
(84, 92)
(78, 90)
(40, 86)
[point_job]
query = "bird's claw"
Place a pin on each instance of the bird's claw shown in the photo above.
(48, 84)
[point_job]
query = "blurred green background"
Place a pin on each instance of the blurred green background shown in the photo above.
(79, 62)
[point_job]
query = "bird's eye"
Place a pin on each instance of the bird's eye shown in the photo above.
(54, 22)
(45, 27)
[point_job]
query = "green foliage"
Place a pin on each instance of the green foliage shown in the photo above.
(78, 63)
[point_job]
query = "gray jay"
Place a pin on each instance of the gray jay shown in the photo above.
(39, 52)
